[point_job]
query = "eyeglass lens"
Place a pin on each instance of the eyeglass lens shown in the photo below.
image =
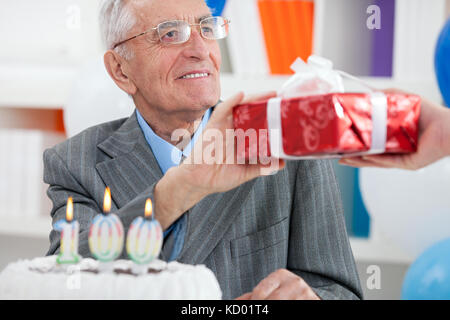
(173, 32)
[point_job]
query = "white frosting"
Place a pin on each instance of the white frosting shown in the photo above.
(42, 278)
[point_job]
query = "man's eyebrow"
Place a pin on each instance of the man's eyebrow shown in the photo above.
(197, 20)
(204, 17)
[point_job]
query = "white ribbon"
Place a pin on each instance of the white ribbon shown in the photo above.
(275, 132)
(379, 122)
(328, 81)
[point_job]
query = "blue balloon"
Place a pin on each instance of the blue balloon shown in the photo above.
(216, 6)
(442, 62)
(428, 278)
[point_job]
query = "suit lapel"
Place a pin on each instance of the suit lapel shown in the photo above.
(132, 167)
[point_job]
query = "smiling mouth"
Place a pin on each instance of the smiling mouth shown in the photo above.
(195, 76)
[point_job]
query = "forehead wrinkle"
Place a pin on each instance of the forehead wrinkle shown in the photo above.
(142, 7)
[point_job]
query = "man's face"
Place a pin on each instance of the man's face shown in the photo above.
(157, 69)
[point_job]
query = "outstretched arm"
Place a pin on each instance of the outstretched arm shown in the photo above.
(434, 142)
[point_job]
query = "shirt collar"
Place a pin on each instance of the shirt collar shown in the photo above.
(166, 154)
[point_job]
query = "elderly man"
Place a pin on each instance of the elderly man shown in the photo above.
(279, 236)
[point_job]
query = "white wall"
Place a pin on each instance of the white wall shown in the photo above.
(48, 32)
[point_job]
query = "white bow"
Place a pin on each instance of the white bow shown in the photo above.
(314, 78)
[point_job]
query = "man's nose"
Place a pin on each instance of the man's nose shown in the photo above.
(196, 47)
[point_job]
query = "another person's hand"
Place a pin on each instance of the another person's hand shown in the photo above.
(281, 285)
(434, 142)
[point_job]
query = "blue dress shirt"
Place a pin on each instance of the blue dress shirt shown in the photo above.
(168, 156)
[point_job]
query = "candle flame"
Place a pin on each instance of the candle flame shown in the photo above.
(69, 210)
(107, 201)
(148, 208)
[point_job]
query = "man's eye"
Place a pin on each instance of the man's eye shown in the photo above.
(207, 30)
(170, 35)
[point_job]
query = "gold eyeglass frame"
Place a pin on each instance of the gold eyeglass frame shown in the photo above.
(226, 20)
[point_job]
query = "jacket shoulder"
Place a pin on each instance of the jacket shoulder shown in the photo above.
(88, 139)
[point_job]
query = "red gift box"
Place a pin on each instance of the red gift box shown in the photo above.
(329, 125)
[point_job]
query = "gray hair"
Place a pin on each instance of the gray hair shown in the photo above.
(116, 20)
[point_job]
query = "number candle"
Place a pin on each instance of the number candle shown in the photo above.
(144, 238)
(69, 237)
(106, 233)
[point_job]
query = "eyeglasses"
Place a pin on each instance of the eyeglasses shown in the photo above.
(179, 31)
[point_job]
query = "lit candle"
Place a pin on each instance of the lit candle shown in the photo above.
(106, 233)
(69, 237)
(144, 238)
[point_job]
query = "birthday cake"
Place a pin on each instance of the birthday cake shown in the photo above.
(44, 278)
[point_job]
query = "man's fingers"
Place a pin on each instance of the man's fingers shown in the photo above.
(265, 288)
(283, 285)
(296, 289)
(259, 96)
(258, 170)
(224, 108)
(273, 167)
(245, 296)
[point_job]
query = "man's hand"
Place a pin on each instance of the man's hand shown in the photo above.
(434, 142)
(281, 285)
(211, 167)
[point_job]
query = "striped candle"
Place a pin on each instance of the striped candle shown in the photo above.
(106, 235)
(144, 238)
(69, 237)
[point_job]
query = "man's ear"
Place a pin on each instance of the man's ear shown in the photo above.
(115, 66)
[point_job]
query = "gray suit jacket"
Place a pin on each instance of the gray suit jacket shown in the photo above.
(293, 219)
